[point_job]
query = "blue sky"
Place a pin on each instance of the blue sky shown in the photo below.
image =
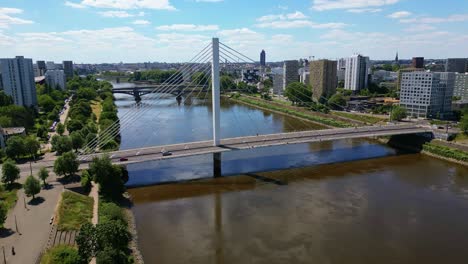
(93, 31)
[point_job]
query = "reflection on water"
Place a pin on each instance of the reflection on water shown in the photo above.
(402, 209)
(345, 201)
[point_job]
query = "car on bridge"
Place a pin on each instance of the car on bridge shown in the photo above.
(123, 159)
(166, 153)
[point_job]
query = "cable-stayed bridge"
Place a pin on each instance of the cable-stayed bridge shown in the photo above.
(206, 65)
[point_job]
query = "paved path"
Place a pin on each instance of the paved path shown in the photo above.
(33, 223)
(95, 194)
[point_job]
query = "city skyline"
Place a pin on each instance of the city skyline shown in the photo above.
(98, 31)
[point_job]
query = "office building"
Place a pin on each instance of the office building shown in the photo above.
(427, 94)
(461, 86)
(278, 84)
(263, 58)
(55, 79)
(50, 65)
(417, 62)
(323, 78)
(18, 80)
(290, 72)
(68, 69)
(456, 65)
(341, 69)
(41, 68)
(400, 75)
(357, 71)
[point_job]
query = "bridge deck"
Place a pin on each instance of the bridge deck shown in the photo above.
(206, 147)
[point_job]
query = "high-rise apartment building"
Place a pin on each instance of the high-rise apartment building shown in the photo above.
(18, 80)
(55, 79)
(41, 68)
(263, 58)
(456, 65)
(278, 84)
(357, 71)
(290, 72)
(341, 69)
(427, 94)
(68, 69)
(461, 86)
(50, 65)
(417, 62)
(323, 78)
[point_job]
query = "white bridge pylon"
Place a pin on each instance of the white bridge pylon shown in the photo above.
(215, 92)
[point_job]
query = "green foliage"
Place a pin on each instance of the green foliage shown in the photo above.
(298, 93)
(15, 147)
(111, 212)
(108, 176)
(43, 174)
(363, 118)
(61, 144)
(61, 255)
(5, 99)
(77, 140)
(86, 181)
(226, 83)
(464, 123)
(157, 76)
(17, 116)
(32, 186)
(10, 172)
(46, 103)
(398, 113)
(74, 211)
(60, 129)
(446, 152)
(247, 88)
(66, 165)
(32, 146)
(199, 78)
(86, 93)
(86, 241)
(337, 101)
(3, 213)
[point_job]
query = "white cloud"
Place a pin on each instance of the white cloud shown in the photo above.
(436, 20)
(399, 14)
(74, 5)
(292, 20)
(208, 1)
(124, 4)
(141, 22)
(364, 10)
(322, 5)
(419, 28)
(187, 27)
(119, 14)
(7, 17)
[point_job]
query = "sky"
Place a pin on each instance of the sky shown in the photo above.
(98, 31)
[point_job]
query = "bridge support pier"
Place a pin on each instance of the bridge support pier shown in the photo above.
(137, 96)
(217, 165)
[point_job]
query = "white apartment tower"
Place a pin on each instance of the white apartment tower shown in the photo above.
(357, 70)
(427, 94)
(55, 79)
(18, 80)
(290, 72)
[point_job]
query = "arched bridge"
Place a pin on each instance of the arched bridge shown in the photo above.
(175, 89)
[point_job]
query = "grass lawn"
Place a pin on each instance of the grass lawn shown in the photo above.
(60, 254)
(8, 195)
(461, 138)
(97, 108)
(362, 118)
(74, 210)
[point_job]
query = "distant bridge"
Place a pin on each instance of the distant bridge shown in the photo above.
(175, 89)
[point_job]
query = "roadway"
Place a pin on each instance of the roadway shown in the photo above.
(206, 147)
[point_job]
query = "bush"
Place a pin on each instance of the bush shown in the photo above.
(3, 213)
(446, 152)
(111, 212)
(86, 181)
(61, 255)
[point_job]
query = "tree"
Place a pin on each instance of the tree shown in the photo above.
(86, 241)
(77, 140)
(15, 147)
(398, 113)
(3, 213)
(298, 93)
(10, 172)
(337, 101)
(60, 129)
(74, 125)
(464, 124)
(85, 180)
(32, 146)
(5, 99)
(32, 186)
(226, 83)
(43, 174)
(61, 144)
(46, 103)
(109, 177)
(66, 165)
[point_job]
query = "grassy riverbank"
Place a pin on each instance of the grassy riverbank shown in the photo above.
(288, 111)
(74, 210)
(362, 118)
(446, 152)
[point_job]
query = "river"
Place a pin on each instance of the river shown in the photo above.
(346, 201)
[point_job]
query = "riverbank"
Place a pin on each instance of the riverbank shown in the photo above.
(290, 111)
